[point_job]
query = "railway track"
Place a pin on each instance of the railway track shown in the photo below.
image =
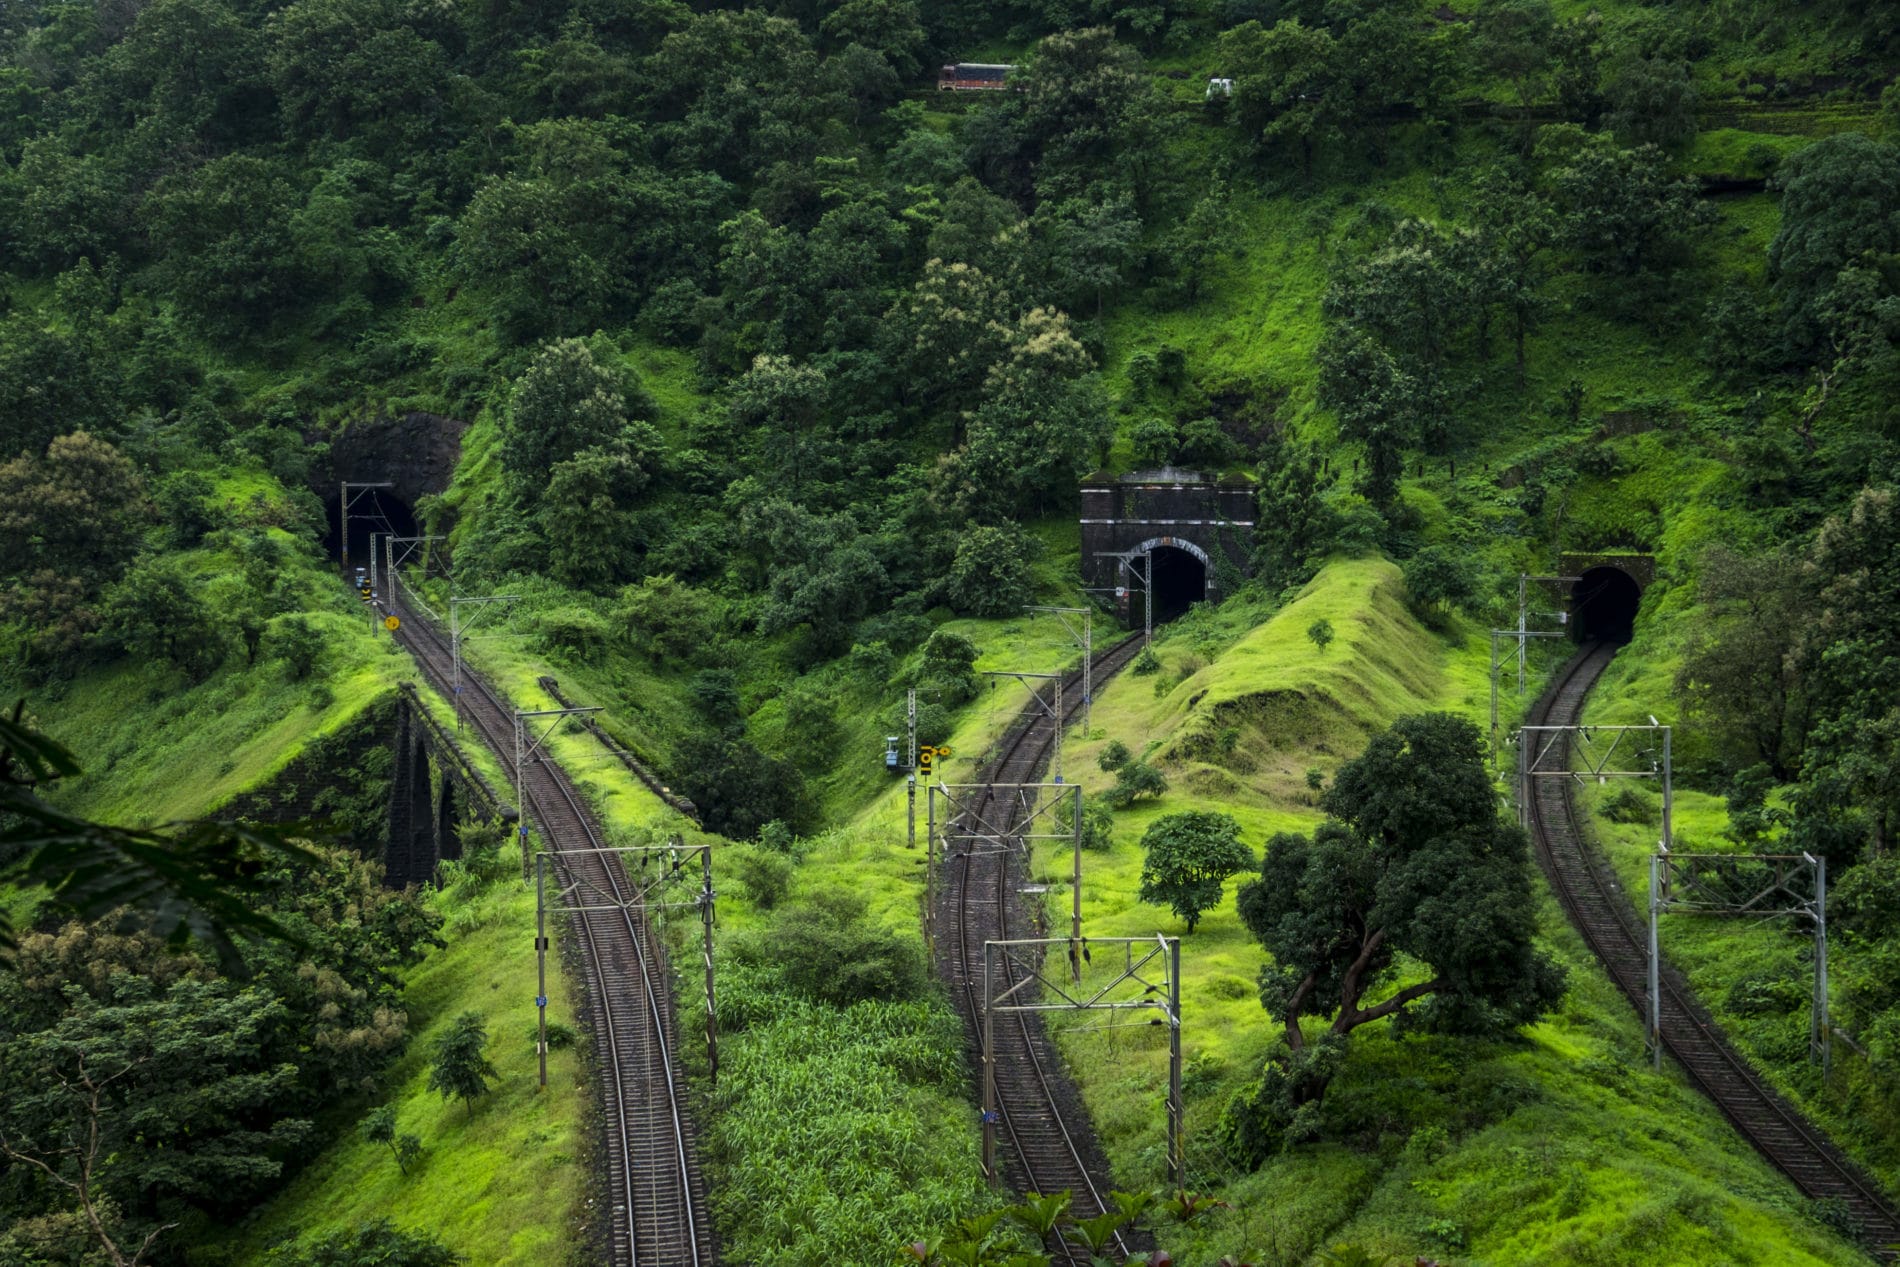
(1603, 913)
(657, 1193)
(1044, 1138)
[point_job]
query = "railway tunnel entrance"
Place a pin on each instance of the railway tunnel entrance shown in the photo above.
(1177, 523)
(371, 510)
(1180, 581)
(1603, 603)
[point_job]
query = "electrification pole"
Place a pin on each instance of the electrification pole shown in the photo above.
(706, 952)
(1085, 639)
(459, 631)
(348, 499)
(1075, 894)
(541, 962)
(930, 878)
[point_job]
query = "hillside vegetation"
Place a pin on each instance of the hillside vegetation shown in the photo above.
(781, 369)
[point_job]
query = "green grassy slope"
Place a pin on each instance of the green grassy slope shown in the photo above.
(504, 1183)
(1560, 1147)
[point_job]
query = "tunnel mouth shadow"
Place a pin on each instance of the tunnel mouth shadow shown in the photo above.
(375, 510)
(1603, 606)
(1180, 581)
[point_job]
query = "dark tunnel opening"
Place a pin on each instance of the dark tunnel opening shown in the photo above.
(372, 510)
(1180, 581)
(1603, 605)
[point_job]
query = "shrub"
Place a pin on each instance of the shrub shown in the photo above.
(827, 947)
(1439, 580)
(947, 665)
(1320, 633)
(560, 1036)
(1136, 779)
(581, 633)
(767, 876)
(297, 642)
(1154, 442)
(1628, 805)
(381, 1243)
(1145, 663)
(1098, 823)
(1114, 756)
(777, 836)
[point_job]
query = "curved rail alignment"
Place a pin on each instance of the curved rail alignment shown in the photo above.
(1049, 1145)
(1604, 915)
(659, 1196)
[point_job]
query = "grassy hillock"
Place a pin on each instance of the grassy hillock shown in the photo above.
(1558, 1147)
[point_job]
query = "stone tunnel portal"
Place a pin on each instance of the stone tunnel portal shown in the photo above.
(1603, 604)
(1180, 522)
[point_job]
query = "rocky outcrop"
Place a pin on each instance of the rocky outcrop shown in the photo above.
(416, 452)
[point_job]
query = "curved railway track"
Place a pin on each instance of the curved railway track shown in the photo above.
(1603, 913)
(658, 1196)
(1044, 1138)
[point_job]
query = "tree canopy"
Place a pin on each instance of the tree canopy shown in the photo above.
(1413, 866)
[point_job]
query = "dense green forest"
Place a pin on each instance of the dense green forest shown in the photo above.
(780, 370)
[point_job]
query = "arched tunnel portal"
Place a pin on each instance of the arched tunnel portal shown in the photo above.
(1603, 604)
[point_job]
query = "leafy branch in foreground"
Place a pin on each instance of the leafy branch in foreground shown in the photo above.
(193, 878)
(1014, 1236)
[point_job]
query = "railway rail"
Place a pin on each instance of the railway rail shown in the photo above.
(1602, 912)
(1047, 1145)
(657, 1193)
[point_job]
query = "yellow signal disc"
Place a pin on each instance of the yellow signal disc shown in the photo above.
(391, 623)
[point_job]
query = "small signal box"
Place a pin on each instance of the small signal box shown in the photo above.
(924, 756)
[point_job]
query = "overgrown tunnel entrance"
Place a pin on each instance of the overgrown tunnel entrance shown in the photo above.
(1180, 581)
(1603, 605)
(375, 510)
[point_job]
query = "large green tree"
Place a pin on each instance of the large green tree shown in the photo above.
(1848, 648)
(565, 402)
(1412, 901)
(1840, 210)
